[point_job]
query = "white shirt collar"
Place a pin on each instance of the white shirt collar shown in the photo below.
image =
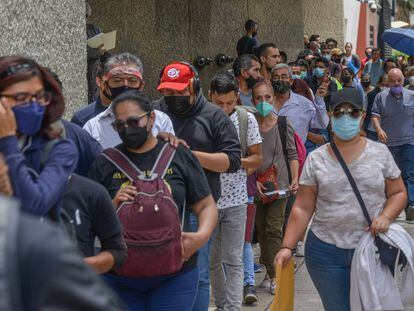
(107, 113)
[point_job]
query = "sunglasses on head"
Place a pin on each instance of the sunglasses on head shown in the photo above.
(132, 122)
(353, 112)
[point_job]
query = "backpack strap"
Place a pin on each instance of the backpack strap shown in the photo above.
(121, 161)
(163, 161)
(46, 150)
(282, 127)
(60, 130)
(243, 127)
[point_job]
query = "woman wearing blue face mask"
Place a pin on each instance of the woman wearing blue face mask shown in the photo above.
(31, 100)
(325, 192)
(272, 175)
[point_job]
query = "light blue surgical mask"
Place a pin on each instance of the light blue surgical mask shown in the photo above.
(346, 127)
(318, 72)
(264, 108)
(294, 77)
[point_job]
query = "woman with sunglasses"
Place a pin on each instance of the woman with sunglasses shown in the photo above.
(134, 119)
(30, 101)
(325, 192)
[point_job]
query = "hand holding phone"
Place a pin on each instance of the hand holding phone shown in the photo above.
(323, 89)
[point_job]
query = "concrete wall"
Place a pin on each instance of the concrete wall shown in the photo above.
(326, 18)
(53, 33)
(160, 31)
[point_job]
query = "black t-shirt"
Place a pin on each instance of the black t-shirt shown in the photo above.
(185, 176)
(90, 207)
(246, 45)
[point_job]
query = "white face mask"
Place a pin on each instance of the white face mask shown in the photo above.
(411, 80)
(384, 88)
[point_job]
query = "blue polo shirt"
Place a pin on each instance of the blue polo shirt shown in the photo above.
(397, 116)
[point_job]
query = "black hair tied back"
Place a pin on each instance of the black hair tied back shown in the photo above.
(141, 99)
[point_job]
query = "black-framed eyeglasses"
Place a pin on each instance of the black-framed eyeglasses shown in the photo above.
(43, 98)
(131, 81)
(132, 122)
(353, 112)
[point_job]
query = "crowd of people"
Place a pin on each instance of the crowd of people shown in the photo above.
(165, 199)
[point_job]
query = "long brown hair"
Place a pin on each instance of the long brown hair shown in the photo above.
(8, 77)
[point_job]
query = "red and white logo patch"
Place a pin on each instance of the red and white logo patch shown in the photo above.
(173, 73)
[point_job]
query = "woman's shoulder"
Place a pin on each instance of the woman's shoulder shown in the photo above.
(376, 148)
(319, 153)
(184, 153)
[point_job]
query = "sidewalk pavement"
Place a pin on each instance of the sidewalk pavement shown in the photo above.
(306, 296)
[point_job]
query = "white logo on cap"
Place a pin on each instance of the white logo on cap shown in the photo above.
(173, 73)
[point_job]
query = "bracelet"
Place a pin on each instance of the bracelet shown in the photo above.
(285, 247)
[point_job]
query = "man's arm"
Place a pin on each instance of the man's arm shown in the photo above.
(215, 162)
(376, 119)
(254, 160)
(317, 139)
(226, 157)
(320, 119)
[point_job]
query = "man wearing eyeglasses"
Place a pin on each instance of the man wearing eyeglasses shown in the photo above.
(303, 113)
(122, 72)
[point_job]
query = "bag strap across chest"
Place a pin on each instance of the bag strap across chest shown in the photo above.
(125, 165)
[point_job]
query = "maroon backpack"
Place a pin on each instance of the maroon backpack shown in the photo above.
(151, 223)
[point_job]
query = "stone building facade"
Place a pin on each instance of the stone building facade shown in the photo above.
(158, 31)
(53, 33)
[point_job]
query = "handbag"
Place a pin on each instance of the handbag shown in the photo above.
(387, 253)
(268, 178)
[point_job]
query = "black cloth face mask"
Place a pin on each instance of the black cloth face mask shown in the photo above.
(251, 82)
(116, 91)
(281, 87)
(134, 138)
(178, 105)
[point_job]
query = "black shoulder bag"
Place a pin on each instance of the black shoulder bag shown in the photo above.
(388, 254)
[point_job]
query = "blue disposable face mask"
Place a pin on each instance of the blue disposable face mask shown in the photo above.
(346, 127)
(264, 108)
(303, 74)
(29, 117)
(294, 77)
(318, 72)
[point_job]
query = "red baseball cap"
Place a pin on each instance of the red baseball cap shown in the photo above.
(176, 76)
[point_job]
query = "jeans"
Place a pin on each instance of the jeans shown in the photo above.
(248, 262)
(330, 270)
(404, 157)
(269, 222)
(226, 258)
(202, 300)
(165, 293)
(248, 258)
